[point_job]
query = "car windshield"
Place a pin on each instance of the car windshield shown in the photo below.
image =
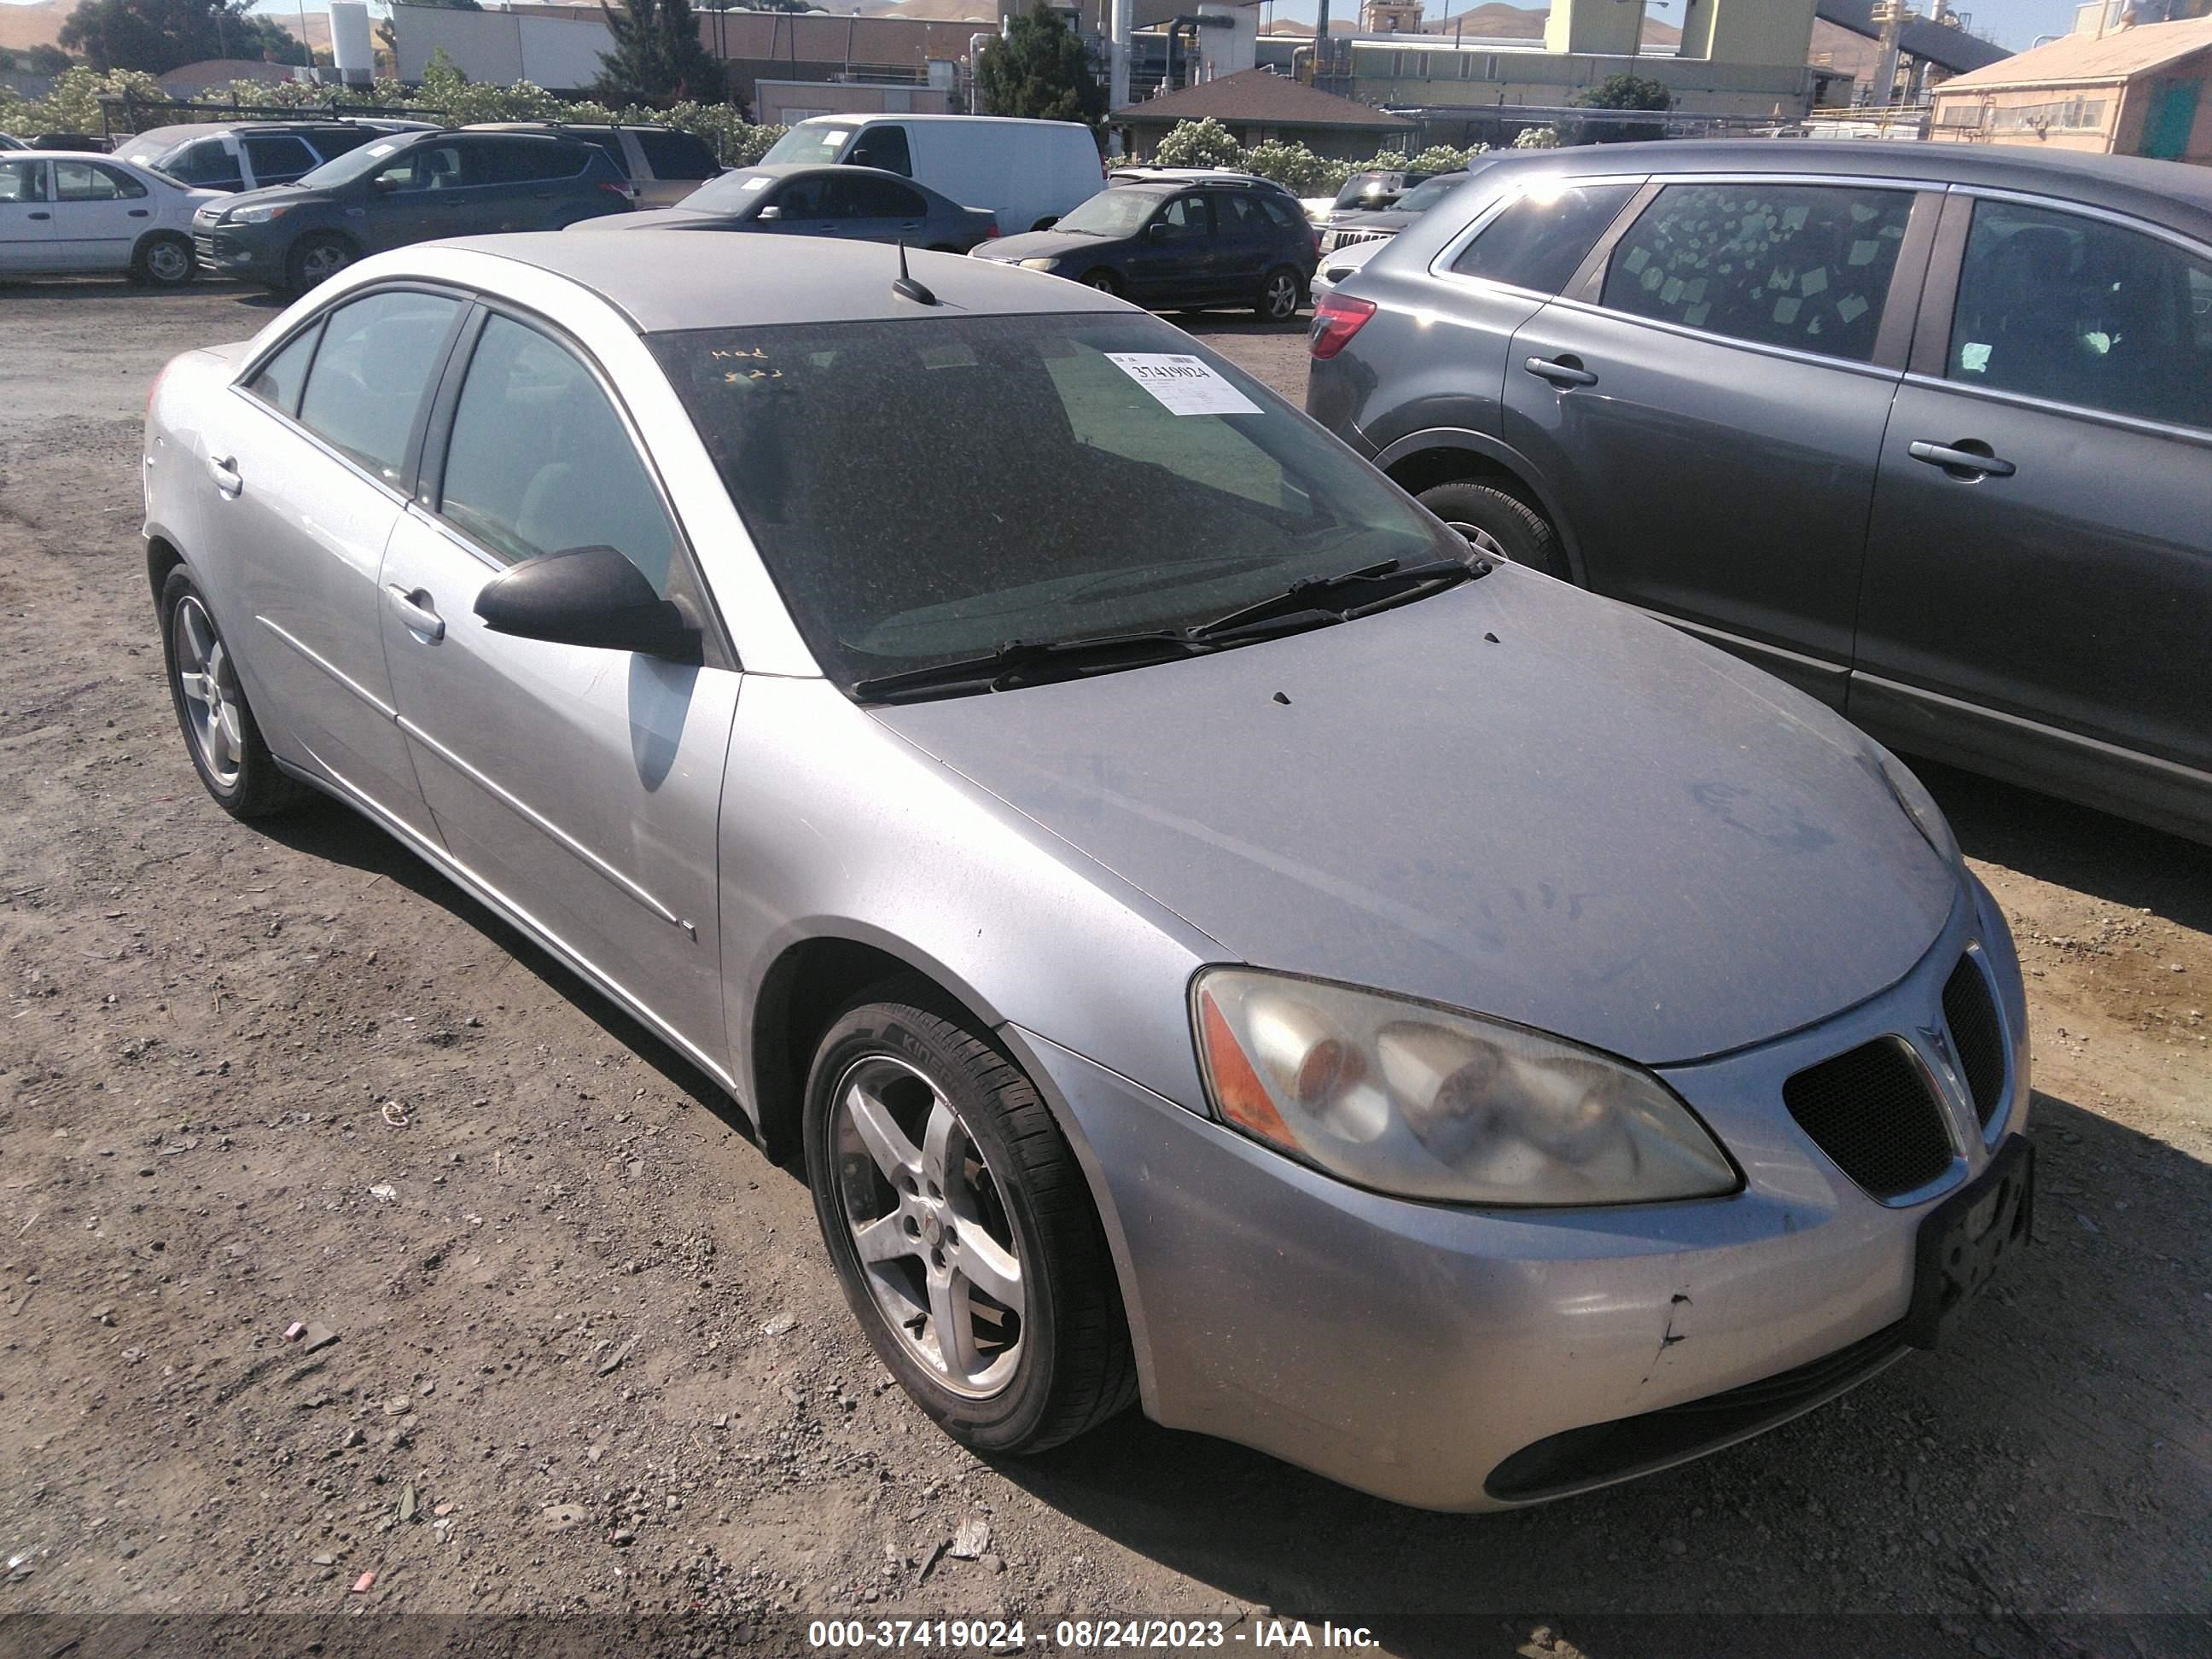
(1421, 198)
(808, 144)
(1364, 190)
(731, 192)
(926, 489)
(344, 169)
(1110, 212)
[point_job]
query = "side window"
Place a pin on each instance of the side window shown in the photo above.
(23, 181)
(424, 166)
(372, 374)
(1282, 217)
(334, 141)
(805, 199)
(1538, 240)
(874, 198)
(89, 181)
(205, 162)
(883, 146)
(277, 158)
(610, 144)
(1239, 214)
(677, 155)
(2080, 310)
(540, 462)
(522, 161)
(1800, 265)
(1185, 217)
(278, 383)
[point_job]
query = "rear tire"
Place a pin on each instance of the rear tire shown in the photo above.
(164, 259)
(941, 1228)
(1282, 291)
(221, 734)
(1499, 526)
(316, 258)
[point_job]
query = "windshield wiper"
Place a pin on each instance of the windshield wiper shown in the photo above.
(1028, 662)
(1399, 582)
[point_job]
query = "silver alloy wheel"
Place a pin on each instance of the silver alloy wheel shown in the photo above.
(213, 708)
(1281, 299)
(168, 261)
(322, 261)
(1482, 541)
(928, 1225)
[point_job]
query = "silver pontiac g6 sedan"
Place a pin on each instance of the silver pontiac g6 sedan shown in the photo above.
(1211, 940)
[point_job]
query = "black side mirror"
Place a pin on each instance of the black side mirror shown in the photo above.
(1158, 230)
(1047, 222)
(589, 596)
(384, 184)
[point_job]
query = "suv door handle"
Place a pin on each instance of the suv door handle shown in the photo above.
(37, 215)
(1967, 459)
(1563, 371)
(223, 469)
(410, 608)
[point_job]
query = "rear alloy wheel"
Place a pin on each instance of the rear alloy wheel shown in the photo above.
(1497, 525)
(962, 1228)
(164, 261)
(1281, 295)
(316, 259)
(219, 728)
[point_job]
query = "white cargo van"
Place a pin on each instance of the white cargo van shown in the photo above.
(1028, 173)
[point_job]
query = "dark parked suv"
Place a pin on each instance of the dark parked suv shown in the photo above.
(1180, 247)
(406, 187)
(1924, 429)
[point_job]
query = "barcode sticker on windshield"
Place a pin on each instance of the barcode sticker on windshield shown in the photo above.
(1183, 385)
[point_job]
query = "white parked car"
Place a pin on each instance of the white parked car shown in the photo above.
(71, 211)
(1028, 173)
(1342, 263)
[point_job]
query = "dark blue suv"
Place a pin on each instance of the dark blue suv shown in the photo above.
(1176, 247)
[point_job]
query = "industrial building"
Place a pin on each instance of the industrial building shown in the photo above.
(2131, 90)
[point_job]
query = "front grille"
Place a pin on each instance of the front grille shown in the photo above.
(1977, 1037)
(1337, 239)
(203, 246)
(1873, 1111)
(1582, 1458)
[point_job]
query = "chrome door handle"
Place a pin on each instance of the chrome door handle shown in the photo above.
(410, 609)
(1961, 462)
(1564, 372)
(223, 469)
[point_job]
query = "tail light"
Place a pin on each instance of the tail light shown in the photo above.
(993, 231)
(619, 187)
(1336, 319)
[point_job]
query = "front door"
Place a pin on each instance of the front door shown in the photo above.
(309, 464)
(429, 190)
(2172, 115)
(1173, 260)
(804, 207)
(1711, 416)
(2041, 545)
(100, 213)
(582, 785)
(26, 215)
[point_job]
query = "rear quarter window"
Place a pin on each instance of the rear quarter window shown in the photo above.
(1536, 241)
(675, 154)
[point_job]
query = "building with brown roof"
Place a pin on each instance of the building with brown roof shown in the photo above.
(1257, 105)
(2137, 91)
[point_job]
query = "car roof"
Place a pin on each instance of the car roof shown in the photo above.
(666, 281)
(2153, 189)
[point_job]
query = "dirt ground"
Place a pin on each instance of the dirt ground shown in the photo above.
(589, 1356)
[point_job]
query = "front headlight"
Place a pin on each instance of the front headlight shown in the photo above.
(1040, 265)
(1425, 1103)
(257, 215)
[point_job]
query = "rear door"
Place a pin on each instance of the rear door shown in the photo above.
(309, 464)
(1172, 259)
(2038, 583)
(1244, 242)
(581, 784)
(26, 215)
(877, 210)
(1708, 400)
(100, 212)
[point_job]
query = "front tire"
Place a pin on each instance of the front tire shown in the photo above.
(1497, 525)
(962, 1228)
(164, 260)
(1105, 280)
(1281, 293)
(315, 258)
(221, 734)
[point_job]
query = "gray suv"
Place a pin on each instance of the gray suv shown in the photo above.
(1924, 430)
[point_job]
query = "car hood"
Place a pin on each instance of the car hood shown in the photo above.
(1048, 245)
(1592, 825)
(1373, 219)
(296, 196)
(667, 218)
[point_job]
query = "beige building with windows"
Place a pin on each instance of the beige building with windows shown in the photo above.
(2140, 91)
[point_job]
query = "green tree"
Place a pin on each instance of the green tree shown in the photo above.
(1625, 92)
(659, 58)
(159, 35)
(1202, 143)
(1039, 69)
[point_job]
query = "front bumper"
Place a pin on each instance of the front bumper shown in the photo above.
(1411, 1349)
(223, 251)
